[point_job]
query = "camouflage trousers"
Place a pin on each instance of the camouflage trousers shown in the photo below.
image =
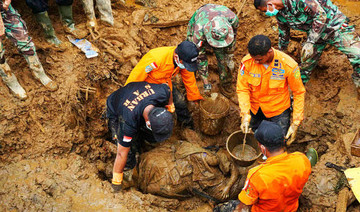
(104, 7)
(222, 56)
(16, 31)
(347, 41)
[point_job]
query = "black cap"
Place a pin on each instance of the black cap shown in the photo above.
(188, 53)
(270, 134)
(161, 122)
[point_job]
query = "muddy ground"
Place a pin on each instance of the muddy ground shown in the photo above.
(54, 150)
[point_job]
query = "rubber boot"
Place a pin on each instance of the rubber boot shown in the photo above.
(10, 80)
(68, 22)
(39, 73)
(45, 22)
(312, 155)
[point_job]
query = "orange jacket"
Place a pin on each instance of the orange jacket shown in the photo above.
(157, 66)
(269, 88)
(276, 184)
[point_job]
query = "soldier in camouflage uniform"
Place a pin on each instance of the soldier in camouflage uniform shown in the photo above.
(214, 26)
(15, 29)
(324, 24)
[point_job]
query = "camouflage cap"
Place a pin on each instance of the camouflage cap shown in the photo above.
(218, 32)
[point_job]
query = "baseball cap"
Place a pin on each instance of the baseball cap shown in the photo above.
(188, 53)
(161, 122)
(270, 134)
(218, 32)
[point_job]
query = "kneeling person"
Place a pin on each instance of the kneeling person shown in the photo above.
(276, 184)
(137, 112)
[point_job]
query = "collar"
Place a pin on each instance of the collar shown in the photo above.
(275, 159)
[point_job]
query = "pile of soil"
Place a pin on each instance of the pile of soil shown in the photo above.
(55, 153)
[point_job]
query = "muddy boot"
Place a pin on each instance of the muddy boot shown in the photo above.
(45, 22)
(10, 80)
(68, 22)
(312, 155)
(226, 89)
(39, 73)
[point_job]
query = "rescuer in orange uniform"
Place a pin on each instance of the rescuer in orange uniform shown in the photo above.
(263, 84)
(161, 64)
(276, 184)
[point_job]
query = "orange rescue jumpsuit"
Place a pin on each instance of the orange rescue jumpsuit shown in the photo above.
(157, 66)
(276, 184)
(269, 88)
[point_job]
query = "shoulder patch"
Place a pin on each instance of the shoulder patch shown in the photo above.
(150, 67)
(242, 69)
(297, 72)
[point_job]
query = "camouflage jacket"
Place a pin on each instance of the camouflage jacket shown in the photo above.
(195, 30)
(319, 18)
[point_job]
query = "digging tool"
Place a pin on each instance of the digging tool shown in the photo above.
(243, 146)
(353, 181)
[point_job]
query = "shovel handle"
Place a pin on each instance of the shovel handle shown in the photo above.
(338, 168)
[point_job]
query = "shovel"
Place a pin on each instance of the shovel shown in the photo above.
(345, 197)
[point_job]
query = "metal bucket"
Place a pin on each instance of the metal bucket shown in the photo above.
(212, 123)
(235, 139)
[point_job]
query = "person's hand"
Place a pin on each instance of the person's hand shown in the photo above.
(207, 89)
(225, 193)
(291, 133)
(116, 182)
(6, 4)
(170, 108)
(307, 51)
(245, 123)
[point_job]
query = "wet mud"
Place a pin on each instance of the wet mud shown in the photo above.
(244, 153)
(55, 152)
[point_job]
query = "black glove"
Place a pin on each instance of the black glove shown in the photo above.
(116, 188)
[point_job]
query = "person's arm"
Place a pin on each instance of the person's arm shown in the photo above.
(284, 34)
(298, 90)
(192, 91)
(233, 178)
(243, 91)
(120, 160)
(314, 9)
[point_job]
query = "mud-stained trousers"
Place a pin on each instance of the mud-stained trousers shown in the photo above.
(182, 112)
(39, 6)
(223, 56)
(347, 41)
(104, 7)
(283, 120)
(16, 31)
